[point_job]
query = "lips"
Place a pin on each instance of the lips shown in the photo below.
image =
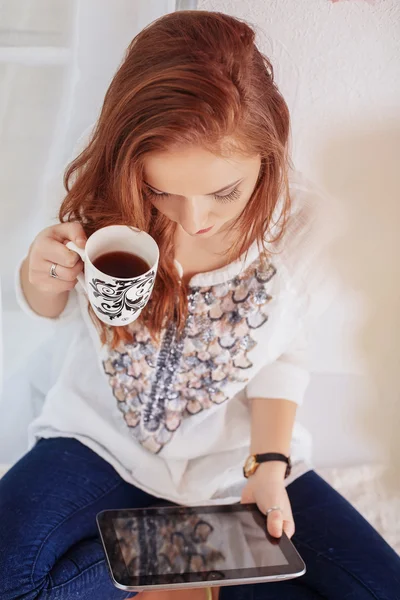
(204, 230)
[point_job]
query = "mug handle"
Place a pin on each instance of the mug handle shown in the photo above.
(82, 254)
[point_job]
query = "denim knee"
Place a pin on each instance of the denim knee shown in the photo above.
(16, 575)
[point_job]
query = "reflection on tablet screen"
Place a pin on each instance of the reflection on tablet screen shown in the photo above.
(162, 544)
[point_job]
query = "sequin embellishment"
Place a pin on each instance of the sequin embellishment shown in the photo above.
(156, 386)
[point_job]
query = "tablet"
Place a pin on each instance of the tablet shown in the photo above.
(183, 547)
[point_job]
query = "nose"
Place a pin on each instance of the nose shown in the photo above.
(194, 214)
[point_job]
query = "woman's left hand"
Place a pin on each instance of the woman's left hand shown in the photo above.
(266, 488)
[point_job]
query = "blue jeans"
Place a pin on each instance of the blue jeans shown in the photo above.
(49, 548)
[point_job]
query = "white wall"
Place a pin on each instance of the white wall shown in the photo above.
(338, 65)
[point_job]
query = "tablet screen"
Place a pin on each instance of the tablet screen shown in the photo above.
(176, 542)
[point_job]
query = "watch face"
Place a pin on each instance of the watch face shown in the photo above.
(250, 465)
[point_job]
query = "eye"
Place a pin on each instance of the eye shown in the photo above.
(231, 197)
(149, 192)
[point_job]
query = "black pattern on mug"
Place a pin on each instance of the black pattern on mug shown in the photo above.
(131, 295)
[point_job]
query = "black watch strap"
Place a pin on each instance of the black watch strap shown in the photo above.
(275, 456)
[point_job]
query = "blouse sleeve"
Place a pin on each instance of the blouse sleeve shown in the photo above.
(287, 377)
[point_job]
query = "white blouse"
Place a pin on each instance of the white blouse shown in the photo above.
(173, 417)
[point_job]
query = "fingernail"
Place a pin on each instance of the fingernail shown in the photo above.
(81, 241)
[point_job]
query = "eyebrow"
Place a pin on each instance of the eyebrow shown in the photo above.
(227, 187)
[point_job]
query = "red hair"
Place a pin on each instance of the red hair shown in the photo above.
(191, 77)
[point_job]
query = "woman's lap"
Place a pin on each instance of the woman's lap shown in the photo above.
(50, 549)
(48, 503)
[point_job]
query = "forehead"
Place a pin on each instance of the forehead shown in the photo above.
(195, 170)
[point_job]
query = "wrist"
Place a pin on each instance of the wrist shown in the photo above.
(274, 470)
(276, 464)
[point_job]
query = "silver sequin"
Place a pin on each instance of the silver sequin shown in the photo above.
(260, 297)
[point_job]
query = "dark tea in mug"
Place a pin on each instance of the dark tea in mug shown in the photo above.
(121, 264)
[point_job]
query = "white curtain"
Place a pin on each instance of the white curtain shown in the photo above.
(57, 58)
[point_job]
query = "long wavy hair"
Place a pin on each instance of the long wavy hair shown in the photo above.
(191, 77)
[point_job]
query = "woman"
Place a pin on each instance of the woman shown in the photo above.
(191, 146)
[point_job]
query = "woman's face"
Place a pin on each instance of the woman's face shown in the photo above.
(200, 191)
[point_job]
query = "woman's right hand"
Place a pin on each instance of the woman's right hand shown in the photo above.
(49, 248)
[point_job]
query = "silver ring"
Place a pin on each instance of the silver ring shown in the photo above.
(270, 510)
(53, 272)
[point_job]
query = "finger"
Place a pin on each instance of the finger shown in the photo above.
(289, 528)
(72, 232)
(55, 252)
(64, 273)
(275, 523)
(50, 284)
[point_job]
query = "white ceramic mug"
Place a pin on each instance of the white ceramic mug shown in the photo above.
(116, 300)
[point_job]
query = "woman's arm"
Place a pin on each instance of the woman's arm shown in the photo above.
(271, 431)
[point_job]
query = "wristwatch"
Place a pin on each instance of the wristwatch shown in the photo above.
(254, 460)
